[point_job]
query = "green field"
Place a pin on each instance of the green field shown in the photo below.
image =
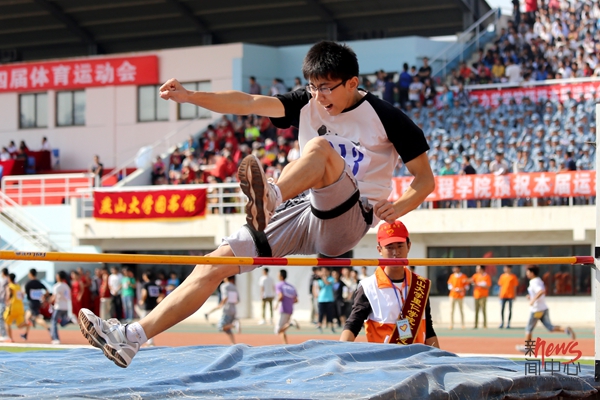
(24, 349)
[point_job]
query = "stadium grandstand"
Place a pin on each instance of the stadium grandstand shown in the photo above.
(92, 160)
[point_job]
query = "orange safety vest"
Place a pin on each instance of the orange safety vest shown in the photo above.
(384, 307)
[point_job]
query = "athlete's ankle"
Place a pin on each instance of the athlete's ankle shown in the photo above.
(135, 333)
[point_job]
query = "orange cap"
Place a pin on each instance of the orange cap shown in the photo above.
(392, 233)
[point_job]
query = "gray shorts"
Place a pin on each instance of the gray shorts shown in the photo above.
(283, 319)
(294, 229)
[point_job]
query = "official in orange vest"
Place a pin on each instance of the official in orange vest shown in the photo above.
(458, 283)
(508, 283)
(393, 303)
(481, 290)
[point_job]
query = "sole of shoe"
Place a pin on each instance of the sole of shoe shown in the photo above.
(253, 183)
(114, 356)
(89, 331)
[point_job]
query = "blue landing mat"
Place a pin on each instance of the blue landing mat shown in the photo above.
(312, 370)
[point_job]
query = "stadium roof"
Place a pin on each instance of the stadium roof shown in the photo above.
(42, 29)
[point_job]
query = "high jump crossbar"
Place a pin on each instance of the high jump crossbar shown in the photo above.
(281, 261)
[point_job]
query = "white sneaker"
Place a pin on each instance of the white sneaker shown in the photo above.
(262, 196)
(296, 324)
(108, 336)
(262, 322)
(55, 342)
(236, 326)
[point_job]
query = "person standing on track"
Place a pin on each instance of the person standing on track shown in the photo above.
(267, 294)
(394, 301)
(324, 202)
(481, 290)
(508, 283)
(458, 283)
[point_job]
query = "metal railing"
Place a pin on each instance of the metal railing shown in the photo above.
(469, 41)
(25, 189)
(28, 227)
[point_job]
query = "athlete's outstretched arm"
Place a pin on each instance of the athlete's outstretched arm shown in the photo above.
(417, 192)
(228, 102)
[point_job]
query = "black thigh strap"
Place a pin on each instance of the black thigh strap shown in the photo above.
(263, 248)
(339, 210)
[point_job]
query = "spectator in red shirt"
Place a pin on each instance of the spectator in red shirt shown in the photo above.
(224, 166)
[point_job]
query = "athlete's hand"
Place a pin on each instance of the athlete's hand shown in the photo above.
(385, 210)
(172, 90)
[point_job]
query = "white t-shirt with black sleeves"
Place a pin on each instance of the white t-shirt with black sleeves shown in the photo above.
(369, 136)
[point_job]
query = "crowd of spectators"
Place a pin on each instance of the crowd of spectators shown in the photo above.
(553, 39)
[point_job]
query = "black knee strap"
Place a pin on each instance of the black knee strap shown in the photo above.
(342, 208)
(263, 248)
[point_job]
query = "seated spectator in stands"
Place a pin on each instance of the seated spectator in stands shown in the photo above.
(569, 162)
(189, 145)
(499, 166)
(188, 175)
(23, 147)
(484, 75)
(513, 72)
(175, 177)
(158, 172)
(45, 144)
(12, 148)
(175, 163)
(5, 155)
(294, 152)
(21, 155)
(429, 92)
(415, 91)
(251, 131)
(224, 130)
(224, 166)
(498, 71)
(462, 95)
(465, 72)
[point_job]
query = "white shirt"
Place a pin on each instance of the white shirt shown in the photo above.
(62, 296)
(513, 73)
(268, 286)
(114, 283)
(535, 286)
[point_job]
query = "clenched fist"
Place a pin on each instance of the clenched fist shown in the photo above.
(173, 90)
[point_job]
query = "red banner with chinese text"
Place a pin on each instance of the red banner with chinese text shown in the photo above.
(138, 205)
(79, 74)
(494, 97)
(510, 186)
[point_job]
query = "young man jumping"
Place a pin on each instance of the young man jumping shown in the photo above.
(324, 202)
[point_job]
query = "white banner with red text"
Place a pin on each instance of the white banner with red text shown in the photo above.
(510, 186)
